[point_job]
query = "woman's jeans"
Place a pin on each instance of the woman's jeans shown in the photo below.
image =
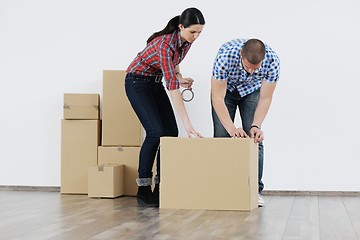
(247, 106)
(153, 108)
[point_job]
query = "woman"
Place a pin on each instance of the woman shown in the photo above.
(160, 59)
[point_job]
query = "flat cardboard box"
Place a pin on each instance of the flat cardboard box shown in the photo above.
(81, 106)
(127, 156)
(209, 173)
(120, 125)
(106, 181)
(79, 144)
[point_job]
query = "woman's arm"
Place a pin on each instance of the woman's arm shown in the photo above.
(180, 109)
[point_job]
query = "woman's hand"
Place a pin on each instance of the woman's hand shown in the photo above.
(186, 82)
(191, 132)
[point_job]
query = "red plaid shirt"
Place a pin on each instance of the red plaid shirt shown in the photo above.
(160, 57)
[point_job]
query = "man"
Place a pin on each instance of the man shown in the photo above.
(244, 76)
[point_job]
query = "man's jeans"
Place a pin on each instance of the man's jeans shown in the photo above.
(153, 108)
(247, 106)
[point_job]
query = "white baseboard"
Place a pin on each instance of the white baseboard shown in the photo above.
(311, 193)
(29, 188)
(265, 192)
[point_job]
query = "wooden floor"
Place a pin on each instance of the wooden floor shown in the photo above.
(48, 215)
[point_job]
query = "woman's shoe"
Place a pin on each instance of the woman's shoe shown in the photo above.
(145, 197)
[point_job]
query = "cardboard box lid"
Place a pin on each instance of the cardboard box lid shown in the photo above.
(81, 100)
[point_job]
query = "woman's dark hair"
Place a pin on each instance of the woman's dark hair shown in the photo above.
(190, 16)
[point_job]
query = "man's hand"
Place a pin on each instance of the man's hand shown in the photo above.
(257, 134)
(238, 132)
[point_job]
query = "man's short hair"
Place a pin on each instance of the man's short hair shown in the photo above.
(254, 51)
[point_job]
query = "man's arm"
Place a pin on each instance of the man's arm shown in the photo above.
(266, 93)
(218, 92)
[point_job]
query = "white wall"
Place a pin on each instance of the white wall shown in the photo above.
(48, 48)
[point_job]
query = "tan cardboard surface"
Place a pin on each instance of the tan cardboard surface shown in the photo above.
(81, 106)
(106, 181)
(208, 173)
(79, 144)
(120, 125)
(129, 157)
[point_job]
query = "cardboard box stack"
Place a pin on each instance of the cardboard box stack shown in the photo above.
(80, 138)
(109, 169)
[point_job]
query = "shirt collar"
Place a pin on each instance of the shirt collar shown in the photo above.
(181, 44)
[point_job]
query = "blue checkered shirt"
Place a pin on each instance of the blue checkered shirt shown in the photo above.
(228, 67)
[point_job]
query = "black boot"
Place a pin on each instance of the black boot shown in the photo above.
(145, 197)
(156, 193)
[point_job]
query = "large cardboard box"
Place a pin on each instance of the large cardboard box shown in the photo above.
(209, 173)
(106, 181)
(120, 125)
(127, 156)
(81, 106)
(79, 144)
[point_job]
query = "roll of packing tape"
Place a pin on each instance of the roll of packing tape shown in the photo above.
(187, 95)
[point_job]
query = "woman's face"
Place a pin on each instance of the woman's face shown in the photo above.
(190, 33)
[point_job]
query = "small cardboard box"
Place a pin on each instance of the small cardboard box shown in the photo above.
(79, 145)
(127, 156)
(81, 106)
(120, 125)
(209, 173)
(106, 181)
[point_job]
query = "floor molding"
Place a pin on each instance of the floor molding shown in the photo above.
(265, 192)
(311, 193)
(30, 188)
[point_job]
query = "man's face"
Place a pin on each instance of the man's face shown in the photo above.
(249, 67)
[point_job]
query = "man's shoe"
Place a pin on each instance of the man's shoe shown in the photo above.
(261, 201)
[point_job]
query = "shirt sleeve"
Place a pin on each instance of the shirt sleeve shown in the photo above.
(167, 66)
(273, 74)
(220, 67)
